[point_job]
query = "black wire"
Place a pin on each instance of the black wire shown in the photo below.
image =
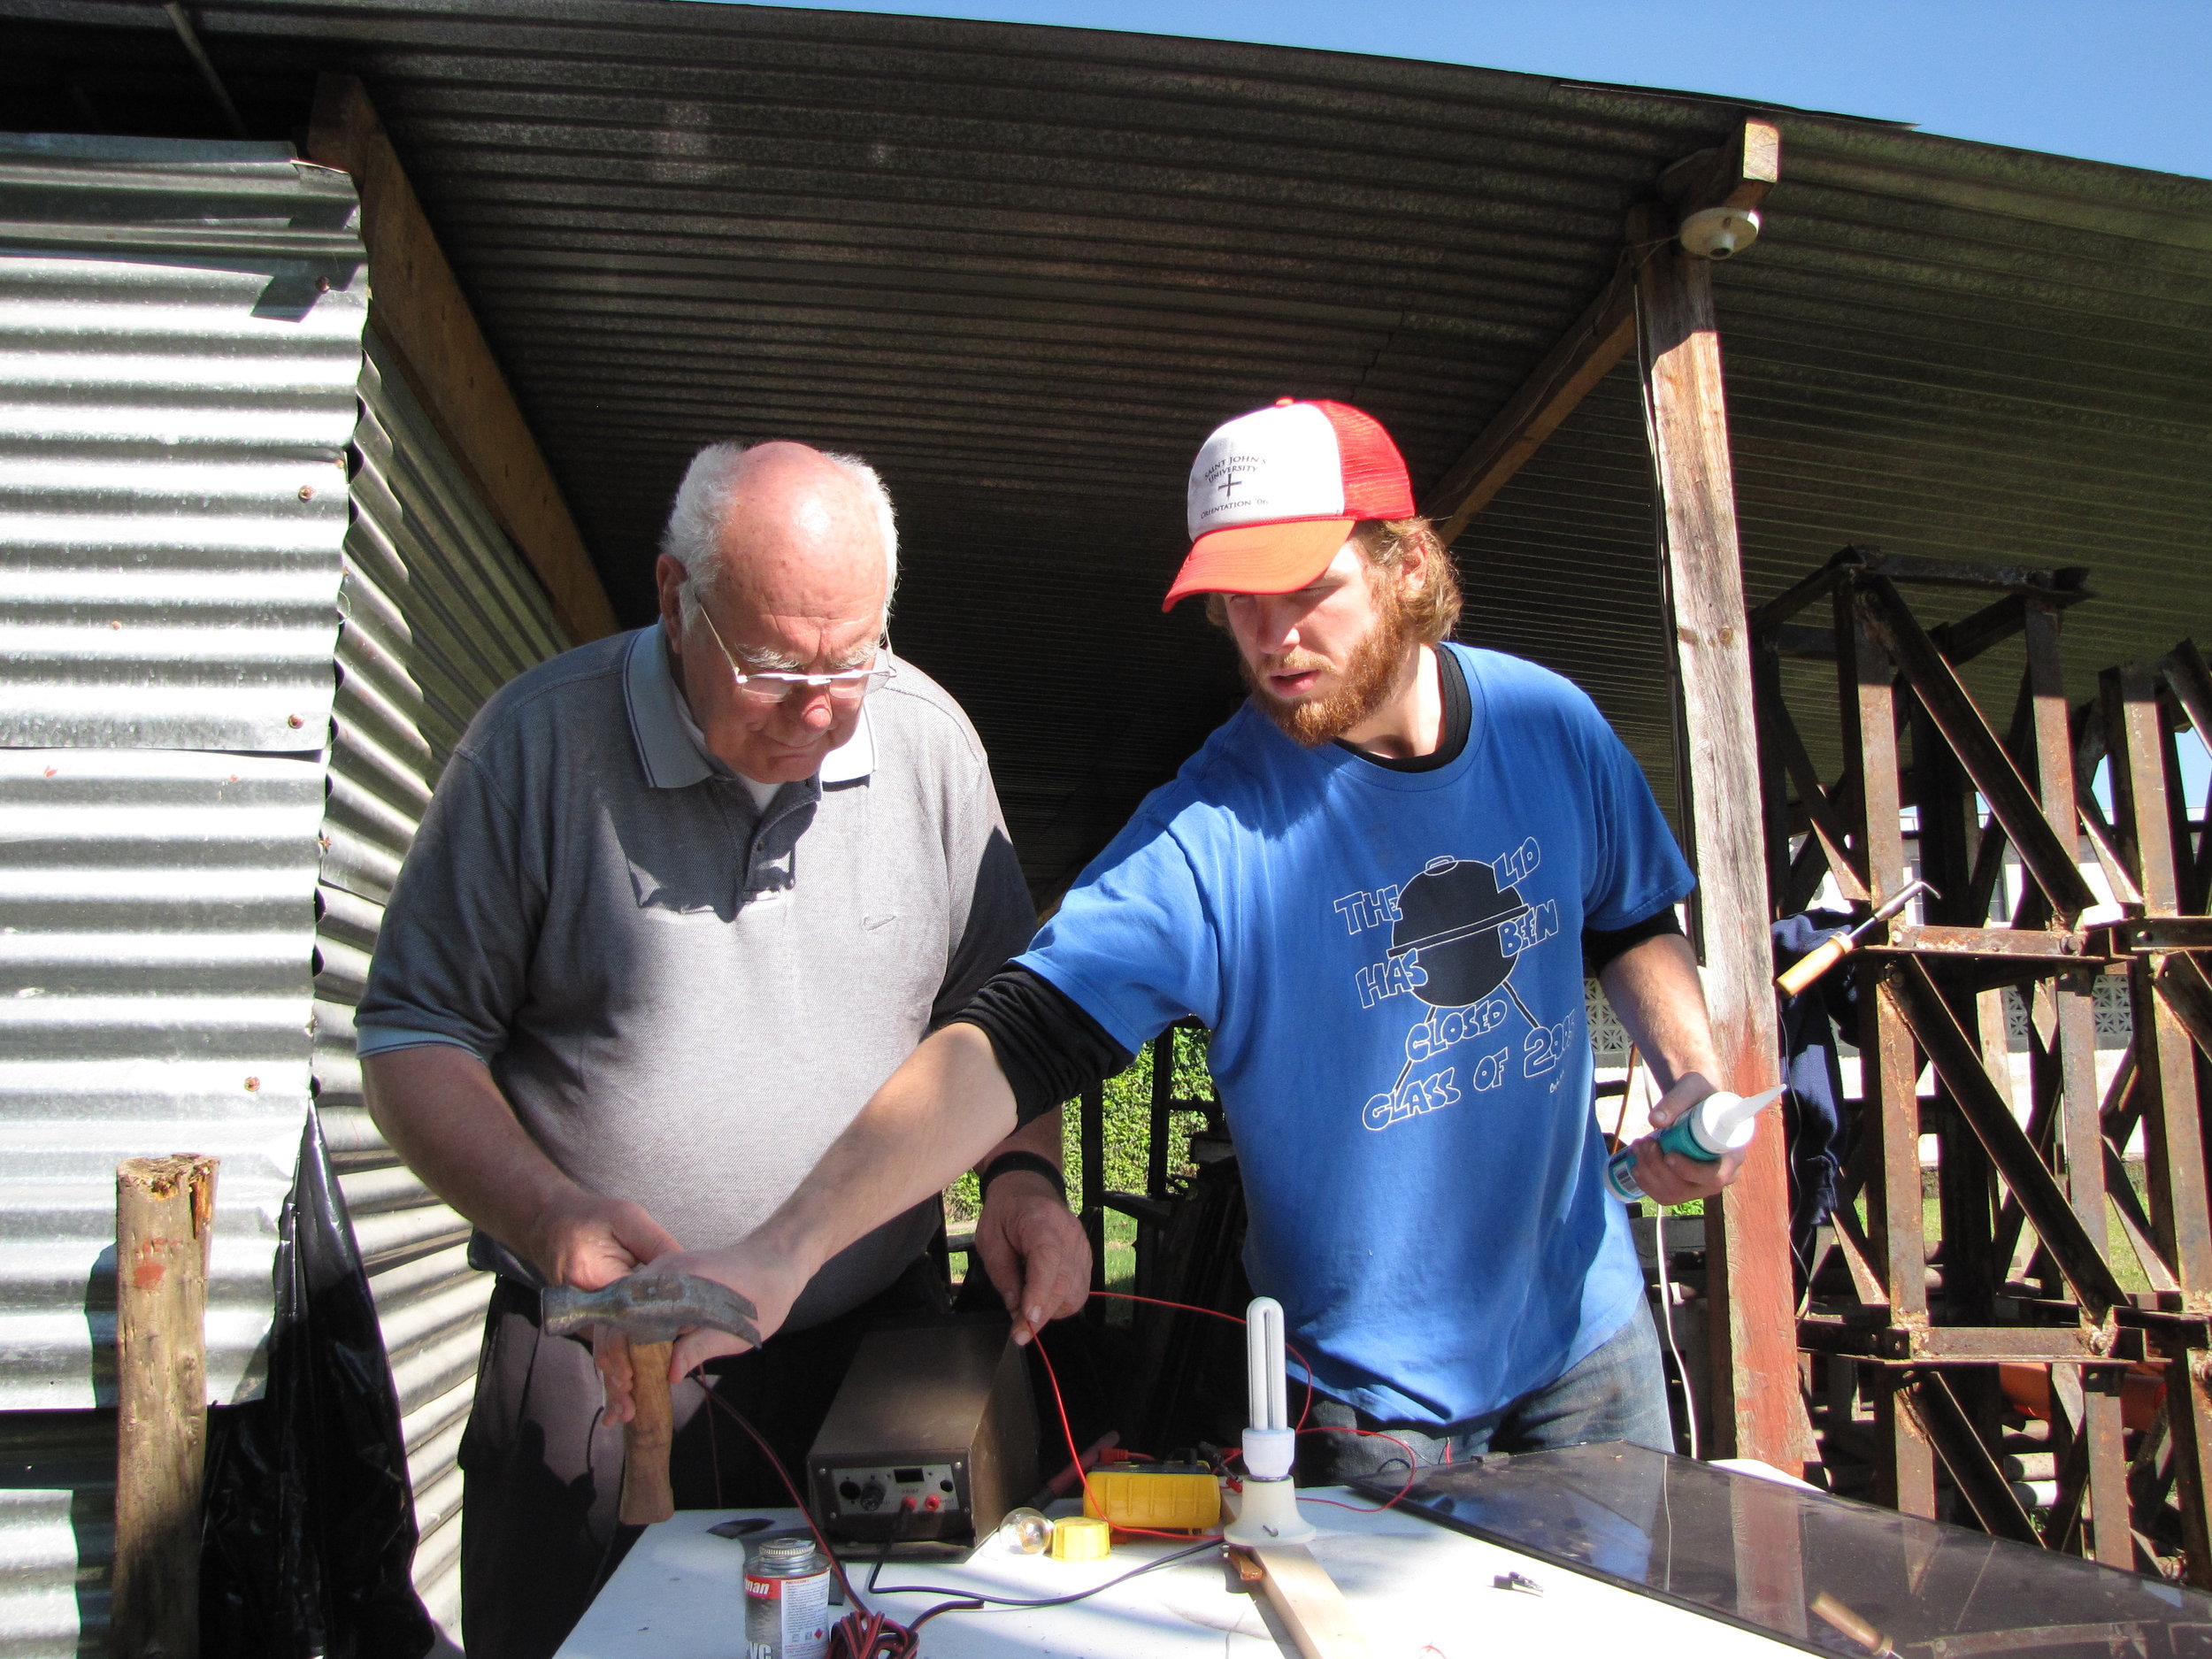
(970, 1601)
(963, 1602)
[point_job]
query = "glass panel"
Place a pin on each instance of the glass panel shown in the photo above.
(1823, 1573)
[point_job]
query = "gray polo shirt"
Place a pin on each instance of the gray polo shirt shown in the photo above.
(687, 996)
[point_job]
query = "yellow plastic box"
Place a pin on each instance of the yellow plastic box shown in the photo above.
(1155, 1498)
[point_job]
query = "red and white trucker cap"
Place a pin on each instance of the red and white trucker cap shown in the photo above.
(1273, 495)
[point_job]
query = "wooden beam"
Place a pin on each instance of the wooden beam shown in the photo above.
(416, 308)
(1747, 1241)
(1585, 355)
(1738, 173)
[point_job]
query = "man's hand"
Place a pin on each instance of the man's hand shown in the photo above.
(1033, 1249)
(589, 1241)
(1667, 1178)
(584, 1240)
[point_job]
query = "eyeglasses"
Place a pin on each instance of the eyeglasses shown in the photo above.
(770, 686)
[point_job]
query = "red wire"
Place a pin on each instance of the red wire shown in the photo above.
(1214, 1313)
(860, 1635)
(1413, 1473)
(1052, 1377)
(1060, 1404)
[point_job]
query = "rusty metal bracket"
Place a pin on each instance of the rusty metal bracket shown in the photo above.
(1980, 1482)
(2162, 932)
(1980, 750)
(1959, 1063)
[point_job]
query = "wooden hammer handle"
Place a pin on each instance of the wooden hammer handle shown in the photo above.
(647, 1496)
(1812, 965)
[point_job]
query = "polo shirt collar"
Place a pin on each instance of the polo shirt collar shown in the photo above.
(669, 745)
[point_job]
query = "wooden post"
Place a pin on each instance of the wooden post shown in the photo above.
(1748, 1247)
(164, 1223)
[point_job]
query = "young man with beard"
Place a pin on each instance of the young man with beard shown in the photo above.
(1377, 884)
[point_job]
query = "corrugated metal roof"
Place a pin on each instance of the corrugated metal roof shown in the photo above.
(440, 612)
(1026, 269)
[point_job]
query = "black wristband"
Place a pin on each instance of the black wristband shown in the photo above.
(1007, 1163)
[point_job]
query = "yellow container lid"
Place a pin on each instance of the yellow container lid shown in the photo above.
(1081, 1538)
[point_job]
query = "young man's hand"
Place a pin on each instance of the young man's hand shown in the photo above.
(768, 1284)
(1035, 1250)
(1667, 1178)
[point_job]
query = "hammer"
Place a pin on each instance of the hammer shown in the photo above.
(649, 1312)
(1833, 949)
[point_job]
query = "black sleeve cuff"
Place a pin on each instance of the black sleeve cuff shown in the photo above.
(1048, 1047)
(1600, 945)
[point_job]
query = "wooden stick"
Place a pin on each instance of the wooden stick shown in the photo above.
(1306, 1599)
(647, 1496)
(164, 1216)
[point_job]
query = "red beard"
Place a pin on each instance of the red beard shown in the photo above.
(1378, 662)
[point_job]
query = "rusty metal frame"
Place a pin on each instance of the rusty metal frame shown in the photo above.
(2009, 1195)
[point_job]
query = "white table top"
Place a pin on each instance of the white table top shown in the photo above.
(1419, 1591)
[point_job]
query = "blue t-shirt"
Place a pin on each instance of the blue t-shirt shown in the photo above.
(1391, 962)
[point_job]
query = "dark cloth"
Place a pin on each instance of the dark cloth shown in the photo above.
(1459, 720)
(1812, 1111)
(1048, 1047)
(1600, 945)
(542, 1474)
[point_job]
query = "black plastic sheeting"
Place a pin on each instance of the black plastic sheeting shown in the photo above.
(310, 1529)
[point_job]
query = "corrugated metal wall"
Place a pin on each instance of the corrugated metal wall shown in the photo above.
(180, 348)
(200, 816)
(440, 611)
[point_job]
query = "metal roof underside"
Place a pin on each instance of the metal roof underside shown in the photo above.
(1024, 270)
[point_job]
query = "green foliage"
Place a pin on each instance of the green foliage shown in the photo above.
(1128, 1123)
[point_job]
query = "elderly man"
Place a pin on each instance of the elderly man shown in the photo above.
(1379, 883)
(683, 898)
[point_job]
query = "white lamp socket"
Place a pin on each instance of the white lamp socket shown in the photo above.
(1268, 1514)
(1268, 1454)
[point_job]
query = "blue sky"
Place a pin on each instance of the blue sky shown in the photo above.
(2120, 81)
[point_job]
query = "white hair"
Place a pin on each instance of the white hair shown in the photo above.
(695, 522)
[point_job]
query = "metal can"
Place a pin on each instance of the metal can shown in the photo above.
(786, 1600)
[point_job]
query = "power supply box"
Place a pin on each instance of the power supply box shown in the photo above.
(933, 1436)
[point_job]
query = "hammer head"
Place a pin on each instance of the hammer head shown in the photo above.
(647, 1307)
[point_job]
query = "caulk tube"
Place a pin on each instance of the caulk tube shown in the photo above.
(1719, 1124)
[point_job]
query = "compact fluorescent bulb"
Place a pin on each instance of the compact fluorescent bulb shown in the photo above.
(1269, 1514)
